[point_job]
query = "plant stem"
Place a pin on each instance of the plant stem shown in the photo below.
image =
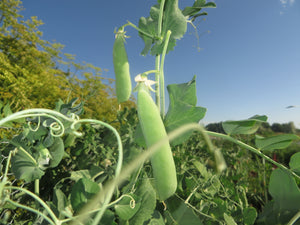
(157, 58)
(294, 219)
(160, 17)
(34, 211)
(252, 149)
(105, 200)
(139, 30)
(37, 187)
(162, 78)
(37, 198)
(265, 180)
(157, 85)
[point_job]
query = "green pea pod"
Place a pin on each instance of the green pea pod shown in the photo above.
(121, 68)
(153, 129)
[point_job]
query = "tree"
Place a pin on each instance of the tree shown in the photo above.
(35, 72)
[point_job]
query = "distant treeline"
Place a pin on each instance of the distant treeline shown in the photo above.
(264, 128)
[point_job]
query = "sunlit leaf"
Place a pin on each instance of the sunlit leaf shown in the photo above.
(182, 108)
(275, 142)
(229, 220)
(248, 126)
(173, 20)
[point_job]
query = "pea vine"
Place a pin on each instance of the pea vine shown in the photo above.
(137, 175)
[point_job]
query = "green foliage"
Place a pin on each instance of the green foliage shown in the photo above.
(56, 169)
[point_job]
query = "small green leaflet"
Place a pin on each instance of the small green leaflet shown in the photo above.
(178, 211)
(82, 191)
(275, 142)
(193, 12)
(229, 220)
(295, 162)
(248, 126)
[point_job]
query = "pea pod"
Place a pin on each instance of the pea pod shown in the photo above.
(153, 129)
(121, 68)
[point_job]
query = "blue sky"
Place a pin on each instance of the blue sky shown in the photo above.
(248, 63)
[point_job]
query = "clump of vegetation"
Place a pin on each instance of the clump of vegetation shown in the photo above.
(61, 167)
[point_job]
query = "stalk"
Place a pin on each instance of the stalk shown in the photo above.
(252, 149)
(162, 78)
(158, 86)
(37, 198)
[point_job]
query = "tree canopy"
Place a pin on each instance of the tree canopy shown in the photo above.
(35, 72)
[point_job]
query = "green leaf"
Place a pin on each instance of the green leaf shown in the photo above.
(139, 137)
(60, 202)
(149, 25)
(275, 142)
(229, 220)
(147, 202)
(202, 169)
(108, 218)
(156, 219)
(284, 191)
(126, 209)
(249, 215)
(295, 162)
(83, 190)
(248, 126)
(193, 11)
(182, 108)
(57, 152)
(173, 20)
(6, 110)
(179, 212)
(24, 166)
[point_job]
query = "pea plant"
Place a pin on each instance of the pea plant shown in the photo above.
(148, 170)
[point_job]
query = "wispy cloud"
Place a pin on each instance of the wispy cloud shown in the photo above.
(287, 2)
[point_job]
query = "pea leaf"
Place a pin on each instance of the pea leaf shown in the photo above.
(24, 166)
(178, 211)
(275, 142)
(229, 220)
(57, 152)
(156, 219)
(284, 191)
(194, 11)
(60, 202)
(173, 20)
(82, 191)
(249, 215)
(182, 108)
(248, 126)
(125, 209)
(147, 203)
(295, 162)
